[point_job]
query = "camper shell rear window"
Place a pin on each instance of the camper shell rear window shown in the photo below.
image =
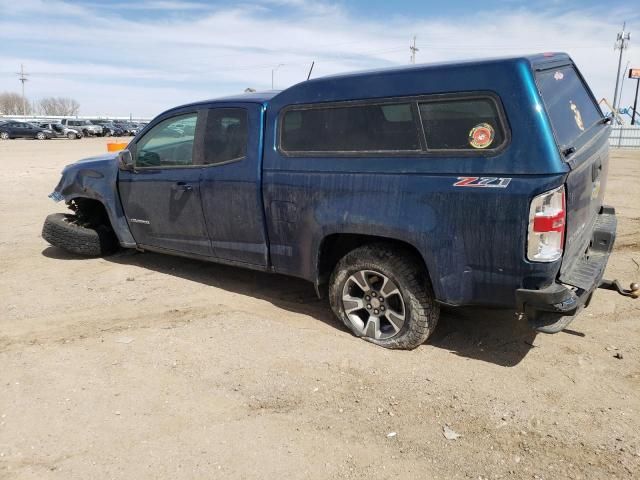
(570, 106)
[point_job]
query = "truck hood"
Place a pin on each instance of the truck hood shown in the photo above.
(100, 161)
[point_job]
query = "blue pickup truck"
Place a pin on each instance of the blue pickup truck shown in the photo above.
(394, 191)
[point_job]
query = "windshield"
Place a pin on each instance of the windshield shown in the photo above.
(570, 106)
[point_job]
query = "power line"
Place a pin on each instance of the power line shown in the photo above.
(337, 56)
(622, 43)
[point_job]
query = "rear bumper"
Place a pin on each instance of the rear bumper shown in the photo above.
(552, 308)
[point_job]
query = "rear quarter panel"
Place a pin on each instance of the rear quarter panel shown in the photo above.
(471, 239)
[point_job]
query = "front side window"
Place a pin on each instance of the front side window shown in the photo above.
(569, 105)
(168, 144)
(225, 136)
(461, 124)
(351, 128)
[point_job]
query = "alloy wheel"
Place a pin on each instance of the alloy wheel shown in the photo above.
(374, 305)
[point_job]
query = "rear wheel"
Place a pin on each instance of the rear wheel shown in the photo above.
(70, 233)
(384, 297)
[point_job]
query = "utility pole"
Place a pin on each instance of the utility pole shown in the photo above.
(635, 103)
(413, 49)
(23, 78)
(622, 43)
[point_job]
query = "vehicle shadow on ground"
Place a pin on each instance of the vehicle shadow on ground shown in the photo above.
(493, 336)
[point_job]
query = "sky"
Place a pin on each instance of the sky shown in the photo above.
(143, 57)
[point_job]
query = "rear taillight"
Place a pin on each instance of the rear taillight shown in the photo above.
(547, 221)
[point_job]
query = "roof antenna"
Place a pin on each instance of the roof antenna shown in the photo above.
(311, 69)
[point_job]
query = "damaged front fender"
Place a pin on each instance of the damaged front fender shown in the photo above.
(96, 178)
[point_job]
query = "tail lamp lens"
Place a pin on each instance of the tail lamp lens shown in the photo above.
(547, 221)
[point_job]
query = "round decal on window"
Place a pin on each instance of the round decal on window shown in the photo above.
(481, 136)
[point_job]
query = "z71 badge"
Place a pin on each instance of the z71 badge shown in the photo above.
(482, 182)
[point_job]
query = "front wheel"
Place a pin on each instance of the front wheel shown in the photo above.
(382, 295)
(72, 136)
(40, 136)
(4, 136)
(70, 233)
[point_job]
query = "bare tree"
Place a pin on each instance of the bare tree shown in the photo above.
(11, 104)
(48, 106)
(59, 106)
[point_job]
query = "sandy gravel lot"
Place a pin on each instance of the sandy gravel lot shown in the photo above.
(145, 366)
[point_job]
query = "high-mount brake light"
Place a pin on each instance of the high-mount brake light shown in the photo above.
(547, 223)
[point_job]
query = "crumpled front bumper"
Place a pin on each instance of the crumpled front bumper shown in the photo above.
(551, 309)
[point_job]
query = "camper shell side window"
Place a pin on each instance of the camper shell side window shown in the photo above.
(461, 124)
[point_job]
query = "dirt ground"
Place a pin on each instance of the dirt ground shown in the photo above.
(147, 366)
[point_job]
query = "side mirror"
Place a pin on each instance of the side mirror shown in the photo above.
(125, 160)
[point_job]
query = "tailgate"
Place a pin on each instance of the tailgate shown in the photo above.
(585, 192)
(583, 139)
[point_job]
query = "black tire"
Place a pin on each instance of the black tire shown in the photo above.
(421, 311)
(4, 136)
(63, 231)
(41, 136)
(72, 136)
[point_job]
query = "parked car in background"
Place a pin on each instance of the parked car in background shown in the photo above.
(121, 125)
(128, 127)
(112, 130)
(109, 129)
(61, 131)
(135, 129)
(15, 129)
(85, 126)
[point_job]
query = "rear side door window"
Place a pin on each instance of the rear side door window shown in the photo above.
(569, 104)
(225, 136)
